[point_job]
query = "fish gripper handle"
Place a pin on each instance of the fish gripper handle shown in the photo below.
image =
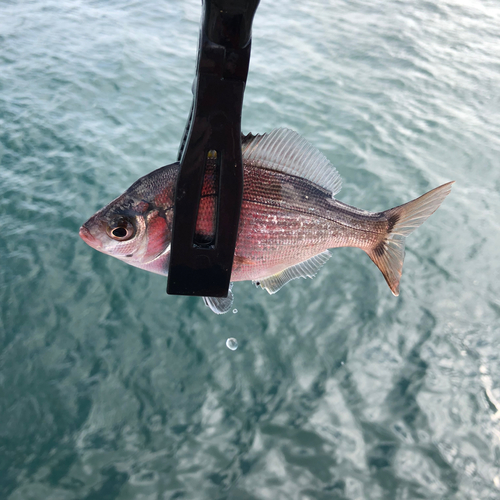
(213, 133)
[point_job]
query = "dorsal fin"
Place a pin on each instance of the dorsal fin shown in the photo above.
(246, 139)
(284, 150)
(306, 269)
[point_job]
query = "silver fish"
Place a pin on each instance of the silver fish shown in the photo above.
(289, 218)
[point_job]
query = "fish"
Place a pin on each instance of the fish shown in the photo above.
(290, 218)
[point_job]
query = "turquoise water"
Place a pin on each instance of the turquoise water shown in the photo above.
(110, 389)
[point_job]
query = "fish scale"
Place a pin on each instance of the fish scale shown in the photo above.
(285, 221)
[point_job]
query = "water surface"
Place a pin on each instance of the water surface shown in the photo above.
(112, 390)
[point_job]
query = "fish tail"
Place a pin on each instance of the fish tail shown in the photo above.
(388, 254)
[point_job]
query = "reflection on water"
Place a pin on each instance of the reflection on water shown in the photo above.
(338, 390)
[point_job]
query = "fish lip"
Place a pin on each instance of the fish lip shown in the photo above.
(89, 238)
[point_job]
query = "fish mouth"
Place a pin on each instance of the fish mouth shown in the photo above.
(88, 237)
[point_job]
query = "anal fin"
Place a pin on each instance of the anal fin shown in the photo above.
(306, 269)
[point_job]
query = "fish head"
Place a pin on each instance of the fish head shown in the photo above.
(136, 227)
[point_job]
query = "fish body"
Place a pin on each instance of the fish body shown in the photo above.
(289, 218)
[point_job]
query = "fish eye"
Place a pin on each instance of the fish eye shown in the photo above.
(121, 230)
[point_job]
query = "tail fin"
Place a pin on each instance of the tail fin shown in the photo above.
(389, 254)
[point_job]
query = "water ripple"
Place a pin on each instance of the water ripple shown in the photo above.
(112, 390)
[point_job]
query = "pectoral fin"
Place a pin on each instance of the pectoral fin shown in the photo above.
(220, 305)
(306, 269)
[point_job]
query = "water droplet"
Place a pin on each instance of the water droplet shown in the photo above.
(232, 343)
(235, 311)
